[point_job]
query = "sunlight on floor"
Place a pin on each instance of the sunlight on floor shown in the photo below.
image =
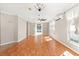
(66, 53)
(47, 38)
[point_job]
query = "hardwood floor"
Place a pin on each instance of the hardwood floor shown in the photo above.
(37, 46)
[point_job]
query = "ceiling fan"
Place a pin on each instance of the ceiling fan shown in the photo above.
(39, 7)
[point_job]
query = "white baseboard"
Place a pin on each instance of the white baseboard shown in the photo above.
(21, 39)
(7, 43)
(67, 46)
(11, 42)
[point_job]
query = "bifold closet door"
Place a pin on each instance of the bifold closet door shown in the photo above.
(31, 29)
(7, 28)
(22, 29)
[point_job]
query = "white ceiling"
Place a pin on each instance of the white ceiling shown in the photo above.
(21, 9)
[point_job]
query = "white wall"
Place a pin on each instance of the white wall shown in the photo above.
(31, 28)
(58, 29)
(61, 34)
(61, 29)
(8, 24)
(22, 28)
(0, 28)
(52, 29)
(12, 28)
(46, 29)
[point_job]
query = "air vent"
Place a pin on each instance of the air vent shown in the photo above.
(58, 19)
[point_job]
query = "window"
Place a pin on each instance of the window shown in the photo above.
(39, 29)
(72, 22)
(72, 26)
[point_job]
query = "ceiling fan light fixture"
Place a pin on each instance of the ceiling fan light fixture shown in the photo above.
(39, 6)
